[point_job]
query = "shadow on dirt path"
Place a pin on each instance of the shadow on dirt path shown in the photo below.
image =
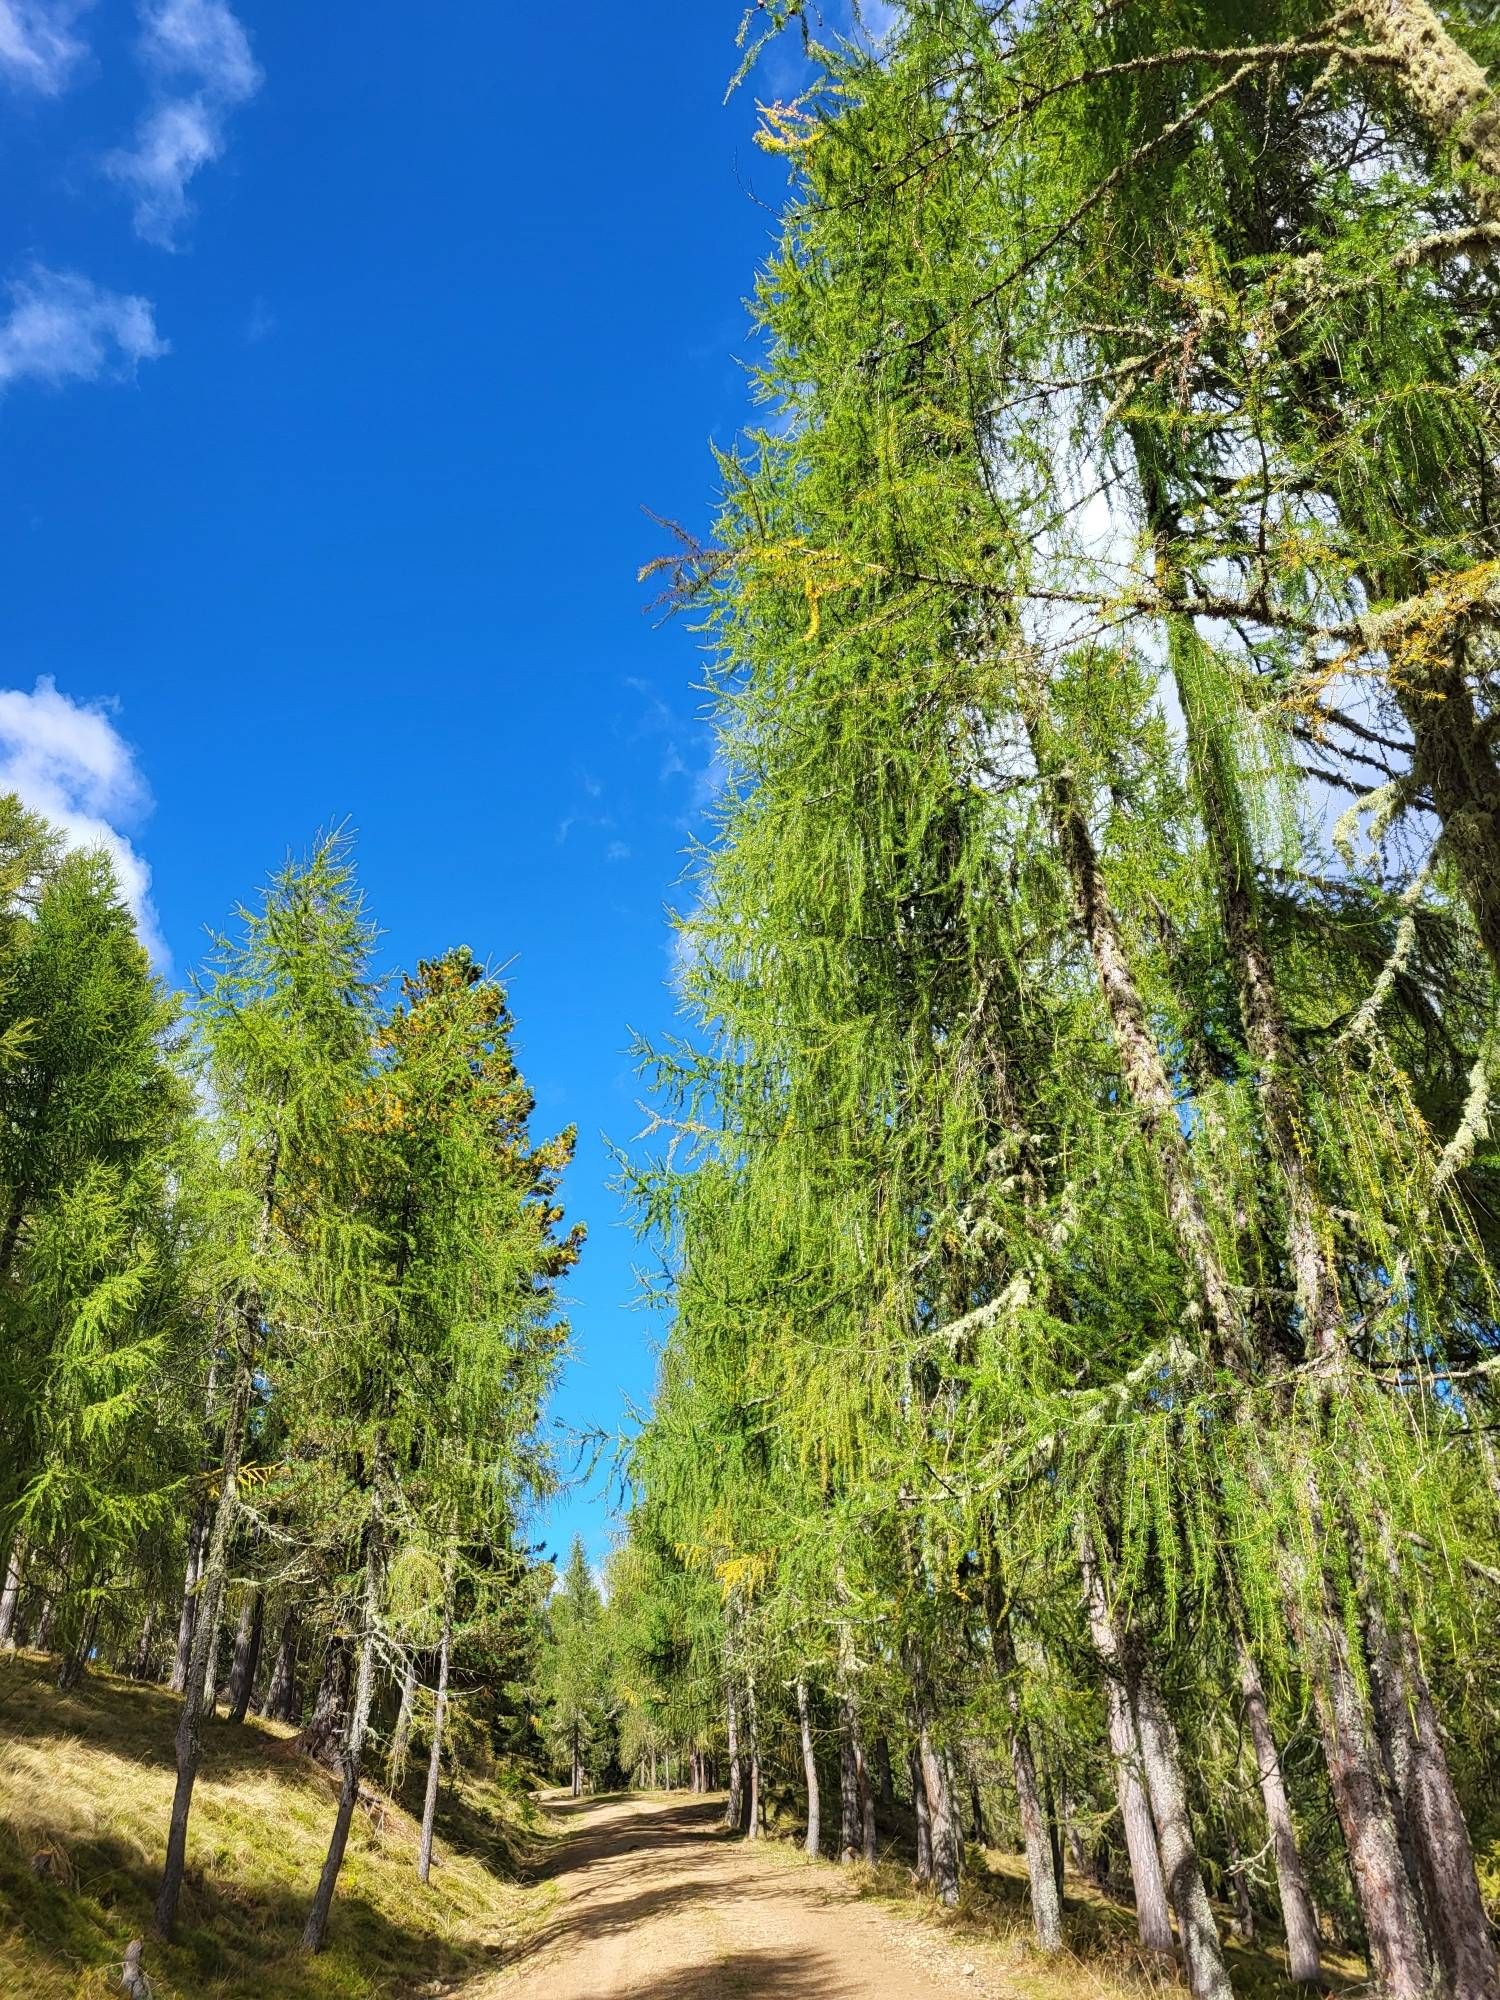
(656, 1903)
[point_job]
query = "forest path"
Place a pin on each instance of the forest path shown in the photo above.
(655, 1903)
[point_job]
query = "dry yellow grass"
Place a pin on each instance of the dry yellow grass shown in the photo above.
(85, 1789)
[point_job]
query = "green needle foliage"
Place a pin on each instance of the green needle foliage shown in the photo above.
(1078, 1190)
(280, 1286)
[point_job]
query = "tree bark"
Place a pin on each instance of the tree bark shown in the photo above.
(280, 1703)
(1146, 1080)
(435, 1760)
(755, 1821)
(1444, 86)
(734, 1807)
(188, 1616)
(325, 1725)
(921, 1816)
(885, 1784)
(1203, 1956)
(1239, 1881)
(395, 1764)
(1041, 1871)
(1391, 1919)
(1393, 1924)
(1161, 1765)
(141, 1665)
(247, 1645)
(851, 1802)
(1304, 1957)
(10, 1593)
(1153, 1920)
(870, 1844)
(76, 1658)
(1447, 1884)
(947, 1835)
(812, 1844)
(316, 1928)
(46, 1620)
(205, 1631)
(978, 1827)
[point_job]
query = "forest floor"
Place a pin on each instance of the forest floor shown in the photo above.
(653, 1901)
(85, 1791)
(638, 1897)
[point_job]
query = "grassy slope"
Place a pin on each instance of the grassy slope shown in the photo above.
(1102, 1958)
(86, 1780)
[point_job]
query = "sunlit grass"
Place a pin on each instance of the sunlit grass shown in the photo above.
(85, 1790)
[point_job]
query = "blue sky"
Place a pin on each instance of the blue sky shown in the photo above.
(339, 351)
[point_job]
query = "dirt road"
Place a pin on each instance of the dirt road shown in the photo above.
(655, 1904)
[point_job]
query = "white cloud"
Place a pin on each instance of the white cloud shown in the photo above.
(201, 40)
(38, 48)
(67, 761)
(200, 60)
(262, 322)
(62, 327)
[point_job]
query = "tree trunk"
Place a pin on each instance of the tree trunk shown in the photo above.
(1153, 1920)
(1304, 1959)
(1439, 1840)
(1308, 1235)
(435, 1760)
(1161, 1766)
(1091, 1863)
(1054, 1830)
(247, 1646)
(979, 1831)
(76, 1658)
(280, 1703)
(756, 1826)
(1239, 1881)
(1447, 1884)
(46, 1622)
(1141, 1063)
(1041, 1870)
(187, 1617)
(211, 1665)
(325, 1726)
(885, 1784)
(812, 1844)
(920, 1816)
(942, 1814)
(653, 1767)
(395, 1763)
(1152, 1916)
(205, 1630)
(577, 1782)
(1390, 1915)
(141, 1666)
(734, 1807)
(851, 1802)
(870, 1844)
(1393, 1924)
(1444, 86)
(10, 1593)
(316, 1928)
(1207, 1974)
